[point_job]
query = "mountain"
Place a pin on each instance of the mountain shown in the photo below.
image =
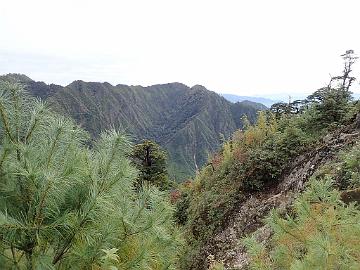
(271, 99)
(188, 122)
(235, 98)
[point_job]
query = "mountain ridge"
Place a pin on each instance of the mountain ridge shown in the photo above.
(187, 121)
(237, 98)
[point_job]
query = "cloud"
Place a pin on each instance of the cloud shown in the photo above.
(241, 47)
(63, 70)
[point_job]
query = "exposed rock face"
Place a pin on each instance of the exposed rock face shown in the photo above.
(249, 214)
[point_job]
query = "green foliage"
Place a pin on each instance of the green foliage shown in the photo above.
(320, 235)
(349, 170)
(270, 145)
(109, 259)
(253, 160)
(222, 182)
(65, 206)
(331, 104)
(182, 203)
(321, 231)
(150, 160)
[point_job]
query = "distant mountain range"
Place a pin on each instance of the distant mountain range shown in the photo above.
(268, 101)
(187, 121)
(235, 98)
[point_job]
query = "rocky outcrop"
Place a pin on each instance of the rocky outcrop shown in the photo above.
(248, 216)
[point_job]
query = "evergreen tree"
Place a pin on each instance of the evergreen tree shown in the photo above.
(65, 206)
(150, 160)
(332, 103)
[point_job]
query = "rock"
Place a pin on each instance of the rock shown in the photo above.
(350, 196)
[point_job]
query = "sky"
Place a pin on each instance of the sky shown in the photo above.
(256, 47)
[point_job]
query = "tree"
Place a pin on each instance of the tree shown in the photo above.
(332, 103)
(291, 108)
(150, 160)
(65, 206)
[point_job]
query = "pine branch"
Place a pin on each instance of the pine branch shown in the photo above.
(38, 217)
(15, 99)
(31, 129)
(6, 151)
(6, 257)
(14, 257)
(53, 146)
(5, 121)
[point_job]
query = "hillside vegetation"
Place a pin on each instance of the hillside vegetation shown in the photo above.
(187, 122)
(266, 166)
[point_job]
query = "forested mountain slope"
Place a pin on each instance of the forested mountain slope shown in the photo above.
(187, 122)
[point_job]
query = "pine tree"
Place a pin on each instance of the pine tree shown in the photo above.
(322, 234)
(332, 103)
(150, 160)
(65, 206)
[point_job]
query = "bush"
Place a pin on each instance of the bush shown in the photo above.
(183, 203)
(349, 174)
(267, 161)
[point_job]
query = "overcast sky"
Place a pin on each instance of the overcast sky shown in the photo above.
(248, 47)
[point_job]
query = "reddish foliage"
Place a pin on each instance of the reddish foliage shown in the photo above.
(217, 160)
(240, 155)
(174, 196)
(238, 136)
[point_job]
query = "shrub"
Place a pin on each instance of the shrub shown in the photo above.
(349, 174)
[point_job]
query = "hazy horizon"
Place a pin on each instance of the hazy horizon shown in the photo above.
(256, 48)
